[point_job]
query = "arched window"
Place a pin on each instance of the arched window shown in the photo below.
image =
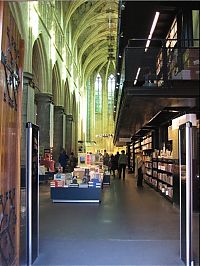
(111, 90)
(98, 94)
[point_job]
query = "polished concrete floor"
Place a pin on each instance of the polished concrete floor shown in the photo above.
(131, 226)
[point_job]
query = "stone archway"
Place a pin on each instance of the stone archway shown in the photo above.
(69, 118)
(59, 116)
(56, 85)
(43, 99)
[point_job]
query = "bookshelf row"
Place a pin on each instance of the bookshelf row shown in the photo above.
(159, 171)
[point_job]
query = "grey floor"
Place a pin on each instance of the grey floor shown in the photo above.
(131, 226)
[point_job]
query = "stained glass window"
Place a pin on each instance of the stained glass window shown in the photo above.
(111, 90)
(98, 94)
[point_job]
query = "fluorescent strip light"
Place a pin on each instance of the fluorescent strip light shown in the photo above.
(147, 44)
(154, 22)
(138, 72)
(152, 29)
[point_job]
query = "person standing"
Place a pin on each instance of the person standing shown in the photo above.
(106, 158)
(72, 161)
(63, 157)
(122, 162)
(113, 165)
(141, 167)
(117, 159)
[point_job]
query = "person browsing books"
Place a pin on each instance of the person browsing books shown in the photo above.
(122, 162)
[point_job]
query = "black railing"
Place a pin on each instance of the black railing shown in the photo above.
(162, 61)
(157, 65)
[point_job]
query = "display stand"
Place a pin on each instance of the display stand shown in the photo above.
(83, 185)
(76, 194)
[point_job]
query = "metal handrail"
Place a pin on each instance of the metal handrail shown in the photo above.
(165, 77)
(160, 63)
(164, 41)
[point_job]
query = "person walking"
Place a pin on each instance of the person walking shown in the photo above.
(122, 162)
(106, 158)
(117, 159)
(113, 165)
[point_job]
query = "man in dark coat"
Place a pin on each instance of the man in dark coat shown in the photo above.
(63, 158)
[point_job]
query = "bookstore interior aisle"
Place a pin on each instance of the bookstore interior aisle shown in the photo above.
(131, 226)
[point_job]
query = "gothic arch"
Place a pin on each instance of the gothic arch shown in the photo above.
(56, 85)
(39, 63)
(66, 97)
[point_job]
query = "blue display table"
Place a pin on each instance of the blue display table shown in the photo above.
(76, 194)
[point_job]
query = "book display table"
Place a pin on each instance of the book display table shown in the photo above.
(76, 194)
(82, 185)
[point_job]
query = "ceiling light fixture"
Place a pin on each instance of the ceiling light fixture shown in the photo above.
(152, 30)
(136, 77)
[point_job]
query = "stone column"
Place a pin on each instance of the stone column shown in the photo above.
(44, 119)
(28, 115)
(104, 121)
(58, 131)
(64, 130)
(75, 134)
(92, 114)
(74, 138)
(69, 120)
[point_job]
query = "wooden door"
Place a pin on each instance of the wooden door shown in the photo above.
(10, 132)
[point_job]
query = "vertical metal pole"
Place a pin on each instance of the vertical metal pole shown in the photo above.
(29, 192)
(38, 196)
(186, 192)
(189, 205)
(180, 193)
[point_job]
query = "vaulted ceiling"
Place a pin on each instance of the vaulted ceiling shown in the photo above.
(94, 31)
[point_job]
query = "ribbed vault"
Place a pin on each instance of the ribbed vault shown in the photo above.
(94, 31)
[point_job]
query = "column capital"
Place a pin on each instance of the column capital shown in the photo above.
(28, 76)
(44, 97)
(59, 108)
(28, 79)
(69, 117)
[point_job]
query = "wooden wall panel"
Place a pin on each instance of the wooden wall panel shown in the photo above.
(10, 132)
